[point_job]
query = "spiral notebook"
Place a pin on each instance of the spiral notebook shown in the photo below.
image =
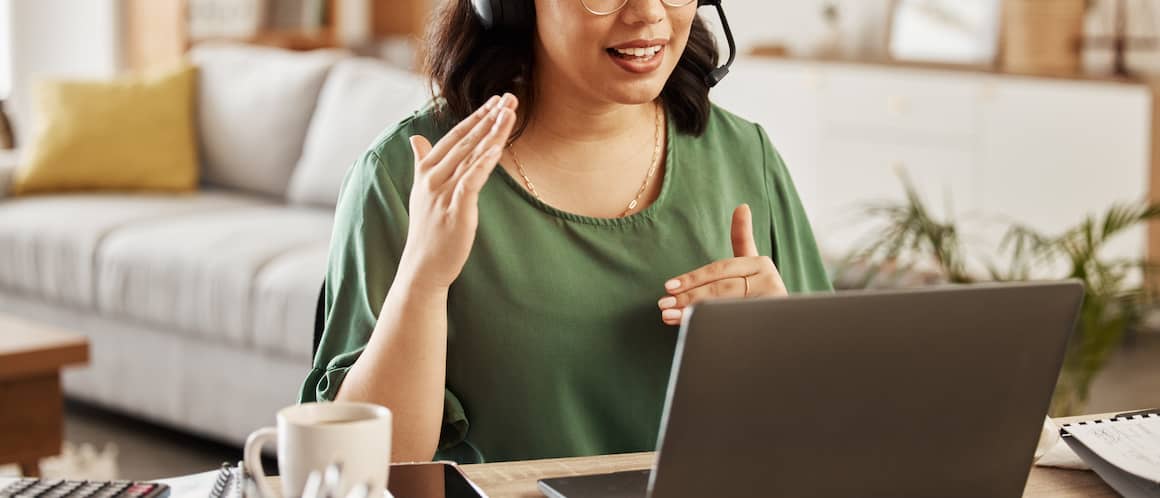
(1124, 451)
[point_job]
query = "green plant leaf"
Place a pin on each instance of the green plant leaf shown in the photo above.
(908, 236)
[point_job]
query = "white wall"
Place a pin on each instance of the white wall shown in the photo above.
(5, 42)
(799, 23)
(74, 38)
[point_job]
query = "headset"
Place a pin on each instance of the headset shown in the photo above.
(517, 15)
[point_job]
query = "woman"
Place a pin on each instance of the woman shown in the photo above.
(513, 291)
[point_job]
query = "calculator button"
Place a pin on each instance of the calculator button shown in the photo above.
(120, 487)
(20, 485)
(60, 488)
(36, 490)
(108, 491)
(139, 490)
(89, 488)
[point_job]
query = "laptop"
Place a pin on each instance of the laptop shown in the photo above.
(928, 392)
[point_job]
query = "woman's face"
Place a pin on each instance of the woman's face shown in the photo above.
(581, 52)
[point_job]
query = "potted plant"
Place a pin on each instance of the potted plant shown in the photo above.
(909, 239)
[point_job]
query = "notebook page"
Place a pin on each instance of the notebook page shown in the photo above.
(1130, 443)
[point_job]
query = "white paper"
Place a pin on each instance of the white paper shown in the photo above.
(191, 486)
(1053, 452)
(1061, 456)
(1132, 444)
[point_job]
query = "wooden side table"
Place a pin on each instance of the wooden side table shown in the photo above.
(31, 401)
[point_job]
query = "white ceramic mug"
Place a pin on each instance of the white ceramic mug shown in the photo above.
(312, 436)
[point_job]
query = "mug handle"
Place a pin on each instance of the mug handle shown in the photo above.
(252, 456)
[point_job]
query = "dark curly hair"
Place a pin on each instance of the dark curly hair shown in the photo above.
(467, 63)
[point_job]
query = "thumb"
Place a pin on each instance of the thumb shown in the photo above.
(742, 233)
(420, 147)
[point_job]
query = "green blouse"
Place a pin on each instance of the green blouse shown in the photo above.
(555, 342)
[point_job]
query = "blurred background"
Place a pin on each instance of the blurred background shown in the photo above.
(932, 141)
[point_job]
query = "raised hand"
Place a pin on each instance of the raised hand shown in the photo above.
(746, 274)
(444, 206)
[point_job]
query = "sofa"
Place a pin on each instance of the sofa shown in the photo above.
(199, 307)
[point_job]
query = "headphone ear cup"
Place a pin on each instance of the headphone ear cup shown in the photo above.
(485, 11)
(504, 14)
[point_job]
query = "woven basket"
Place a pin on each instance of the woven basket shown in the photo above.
(1043, 36)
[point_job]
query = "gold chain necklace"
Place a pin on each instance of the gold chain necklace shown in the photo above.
(652, 169)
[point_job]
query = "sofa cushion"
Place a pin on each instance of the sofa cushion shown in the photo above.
(196, 274)
(254, 104)
(48, 243)
(361, 98)
(285, 295)
(132, 133)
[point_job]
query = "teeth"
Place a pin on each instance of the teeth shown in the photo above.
(639, 51)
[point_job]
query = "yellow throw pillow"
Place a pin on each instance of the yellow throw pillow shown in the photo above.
(132, 133)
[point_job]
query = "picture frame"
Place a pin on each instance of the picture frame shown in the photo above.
(951, 32)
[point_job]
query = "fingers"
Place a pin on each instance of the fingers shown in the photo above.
(717, 270)
(746, 260)
(475, 175)
(497, 135)
(747, 274)
(672, 307)
(420, 147)
(750, 276)
(459, 154)
(742, 233)
(460, 130)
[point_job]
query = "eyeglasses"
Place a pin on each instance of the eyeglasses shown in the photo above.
(608, 7)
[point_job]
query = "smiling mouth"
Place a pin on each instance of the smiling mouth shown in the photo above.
(638, 54)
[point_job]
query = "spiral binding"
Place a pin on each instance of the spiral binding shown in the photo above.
(240, 478)
(230, 482)
(224, 477)
(1119, 418)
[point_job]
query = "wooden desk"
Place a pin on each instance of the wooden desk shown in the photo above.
(518, 479)
(32, 420)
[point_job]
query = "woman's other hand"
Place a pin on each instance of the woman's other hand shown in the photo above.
(444, 206)
(747, 274)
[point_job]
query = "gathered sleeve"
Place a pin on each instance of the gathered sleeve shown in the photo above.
(795, 252)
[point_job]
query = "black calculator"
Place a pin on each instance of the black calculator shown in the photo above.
(62, 488)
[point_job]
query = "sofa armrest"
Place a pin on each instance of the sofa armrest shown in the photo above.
(9, 160)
